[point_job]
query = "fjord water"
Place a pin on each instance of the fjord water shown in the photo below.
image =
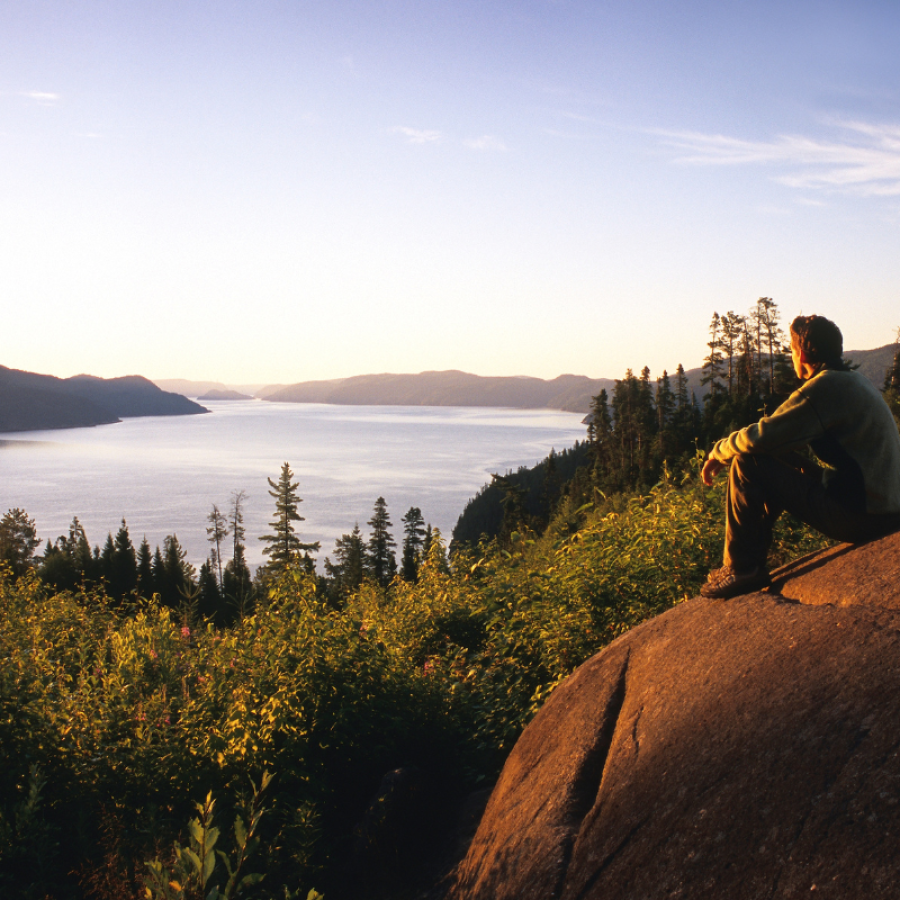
(162, 474)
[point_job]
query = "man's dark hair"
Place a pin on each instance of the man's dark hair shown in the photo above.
(820, 339)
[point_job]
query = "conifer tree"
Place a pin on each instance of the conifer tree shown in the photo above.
(413, 538)
(512, 503)
(551, 488)
(178, 574)
(380, 558)
(684, 428)
(601, 443)
(159, 572)
(123, 564)
(665, 417)
(80, 549)
(632, 407)
(56, 567)
(145, 585)
(350, 562)
(770, 337)
(713, 364)
(284, 545)
(18, 540)
(216, 534)
(735, 338)
(237, 582)
(106, 560)
(209, 599)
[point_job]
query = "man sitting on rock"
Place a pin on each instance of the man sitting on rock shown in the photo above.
(843, 418)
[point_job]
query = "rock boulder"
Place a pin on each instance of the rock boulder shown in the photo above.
(740, 749)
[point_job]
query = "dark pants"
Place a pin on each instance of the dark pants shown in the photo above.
(761, 488)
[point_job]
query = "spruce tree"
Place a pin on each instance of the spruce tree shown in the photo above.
(106, 561)
(380, 558)
(145, 585)
(512, 506)
(347, 571)
(771, 337)
(413, 539)
(18, 540)
(209, 601)
(237, 582)
(159, 573)
(56, 568)
(713, 365)
(665, 418)
(216, 534)
(601, 445)
(284, 545)
(123, 565)
(178, 574)
(80, 548)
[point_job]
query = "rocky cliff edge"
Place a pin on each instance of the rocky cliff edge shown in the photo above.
(745, 749)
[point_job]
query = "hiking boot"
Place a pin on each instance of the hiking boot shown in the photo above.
(726, 582)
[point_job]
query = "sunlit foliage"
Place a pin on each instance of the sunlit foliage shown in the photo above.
(130, 716)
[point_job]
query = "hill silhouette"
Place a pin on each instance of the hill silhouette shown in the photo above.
(33, 402)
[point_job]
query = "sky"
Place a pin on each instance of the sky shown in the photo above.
(285, 190)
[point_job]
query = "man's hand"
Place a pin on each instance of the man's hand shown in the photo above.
(711, 468)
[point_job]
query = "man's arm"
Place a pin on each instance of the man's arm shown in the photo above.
(793, 425)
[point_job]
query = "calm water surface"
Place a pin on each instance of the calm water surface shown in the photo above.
(162, 474)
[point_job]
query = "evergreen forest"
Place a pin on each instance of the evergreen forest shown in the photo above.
(167, 732)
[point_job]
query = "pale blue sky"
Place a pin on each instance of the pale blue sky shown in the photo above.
(281, 191)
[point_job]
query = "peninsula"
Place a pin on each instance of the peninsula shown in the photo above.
(33, 402)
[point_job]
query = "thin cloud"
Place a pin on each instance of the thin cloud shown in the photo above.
(579, 118)
(486, 142)
(45, 98)
(418, 135)
(865, 162)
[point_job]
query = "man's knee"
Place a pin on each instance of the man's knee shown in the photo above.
(745, 467)
(759, 474)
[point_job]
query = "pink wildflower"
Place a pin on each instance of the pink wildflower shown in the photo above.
(185, 632)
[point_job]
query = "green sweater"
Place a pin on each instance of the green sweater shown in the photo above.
(844, 419)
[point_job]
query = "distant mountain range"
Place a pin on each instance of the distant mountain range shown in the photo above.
(224, 394)
(572, 393)
(32, 402)
(198, 388)
(451, 388)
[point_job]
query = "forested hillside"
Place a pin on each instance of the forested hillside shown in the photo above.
(32, 402)
(645, 427)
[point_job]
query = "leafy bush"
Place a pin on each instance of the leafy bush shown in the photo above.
(111, 723)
